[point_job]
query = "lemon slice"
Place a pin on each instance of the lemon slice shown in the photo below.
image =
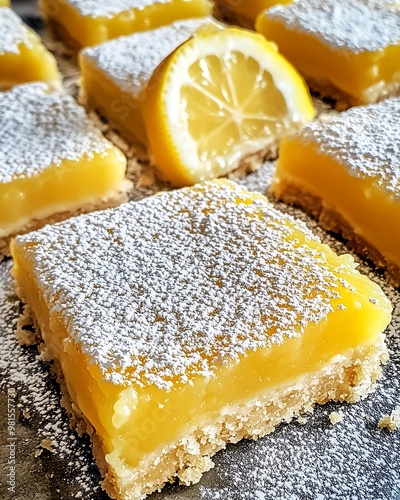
(217, 99)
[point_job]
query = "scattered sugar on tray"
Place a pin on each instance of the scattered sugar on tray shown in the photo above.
(107, 9)
(345, 25)
(365, 139)
(131, 60)
(22, 370)
(195, 261)
(40, 128)
(13, 32)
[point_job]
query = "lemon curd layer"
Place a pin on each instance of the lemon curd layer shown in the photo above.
(195, 318)
(115, 74)
(352, 48)
(351, 162)
(244, 12)
(52, 158)
(4, 3)
(89, 22)
(23, 58)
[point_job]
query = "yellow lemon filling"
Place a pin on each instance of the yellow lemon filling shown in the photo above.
(195, 318)
(23, 58)
(85, 23)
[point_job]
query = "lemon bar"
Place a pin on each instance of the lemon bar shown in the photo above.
(243, 12)
(4, 3)
(53, 160)
(347, 50)
(345, 171)
(196, 318)
(115, 74)
(23, 58)
(89, 22)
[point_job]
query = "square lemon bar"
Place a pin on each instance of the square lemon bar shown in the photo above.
(53, 160)
(115, 74)
(243, 12)
(347, 50)
(192, 319)
(345, 171)
(89, 22)
(23, 58)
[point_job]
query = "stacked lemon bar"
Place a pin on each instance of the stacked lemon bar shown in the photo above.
(53, 161)
(23, 57)
(348, 50)
(192, 319)
(89, 22)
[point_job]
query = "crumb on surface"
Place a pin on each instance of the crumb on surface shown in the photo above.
(335, 417)
(390, 422)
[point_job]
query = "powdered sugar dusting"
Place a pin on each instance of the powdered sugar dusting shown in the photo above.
(352, 25)
(182, 280)
(107, 8)
(40, 128)
(23, 374)
(131, 60)
(365, 139)
(13, 32)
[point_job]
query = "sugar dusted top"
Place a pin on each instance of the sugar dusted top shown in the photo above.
(40, 128)
(159, 291)
(343, 24)
(110, 8)
(13, 32)
(131, 60)
(365, 139)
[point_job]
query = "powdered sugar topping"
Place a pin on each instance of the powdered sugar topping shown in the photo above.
(131, 60)
(172, 286)
(352, 25)
(40, 128)
(13, 32)
(365, 139)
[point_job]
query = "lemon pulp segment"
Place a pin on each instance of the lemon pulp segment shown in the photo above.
(90, 23)
(338, 45)
(23, 58)
(216, 100)
(195, 318)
